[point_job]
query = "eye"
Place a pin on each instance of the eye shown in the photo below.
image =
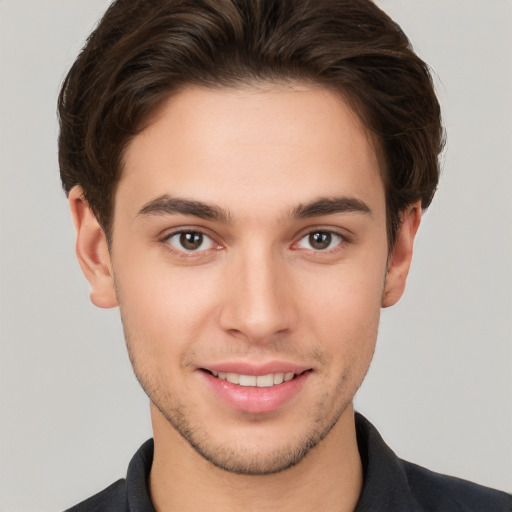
(190, 241)
(320, 241)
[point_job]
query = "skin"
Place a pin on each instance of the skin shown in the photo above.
(257, 289)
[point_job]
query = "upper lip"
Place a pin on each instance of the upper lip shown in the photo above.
(248, 368)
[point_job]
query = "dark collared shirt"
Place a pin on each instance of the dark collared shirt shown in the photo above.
(390, 484)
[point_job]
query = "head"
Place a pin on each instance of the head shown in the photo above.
(246, 180)
(143, 51)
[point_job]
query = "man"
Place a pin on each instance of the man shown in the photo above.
(246, 180)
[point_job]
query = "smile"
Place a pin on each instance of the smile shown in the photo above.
(260, 381)
(256, 390)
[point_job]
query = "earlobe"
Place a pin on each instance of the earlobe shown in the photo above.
(92, 251)
(401, 255)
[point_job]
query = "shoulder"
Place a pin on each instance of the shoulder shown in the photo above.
(111, 499)
(127, 494)
(435, 491)
(392, 484)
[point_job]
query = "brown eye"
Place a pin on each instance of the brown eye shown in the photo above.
(320, 241)
(190, 241)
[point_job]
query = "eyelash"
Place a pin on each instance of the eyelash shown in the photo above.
(184, 253)
(342, 240)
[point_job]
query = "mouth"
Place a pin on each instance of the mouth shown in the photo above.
(257, 389)
(260, 381)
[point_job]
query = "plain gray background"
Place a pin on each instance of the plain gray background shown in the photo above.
(440, 386)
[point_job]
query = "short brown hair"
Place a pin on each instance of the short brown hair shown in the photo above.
(143, 50)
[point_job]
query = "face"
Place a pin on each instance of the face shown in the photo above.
(249, 260)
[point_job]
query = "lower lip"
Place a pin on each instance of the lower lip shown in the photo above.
(253, 399)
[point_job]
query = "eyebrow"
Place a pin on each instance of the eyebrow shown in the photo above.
(330, 206)
(167, 205)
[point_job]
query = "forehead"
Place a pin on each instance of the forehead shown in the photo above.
(272, 143)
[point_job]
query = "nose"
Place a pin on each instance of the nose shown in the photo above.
(258, 303)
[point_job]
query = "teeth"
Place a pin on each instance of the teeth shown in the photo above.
(265, 381)
(260, 381)
(247, 380)
(278, 378)
(234, 378)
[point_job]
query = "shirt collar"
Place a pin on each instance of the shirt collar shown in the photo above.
(385, 485)
(137, 479)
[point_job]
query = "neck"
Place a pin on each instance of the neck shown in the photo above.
(328, 478)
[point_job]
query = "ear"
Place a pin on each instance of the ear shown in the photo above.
(92, 251)
(401, 255)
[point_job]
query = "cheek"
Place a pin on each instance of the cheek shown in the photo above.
(344, 307)
(165, 305)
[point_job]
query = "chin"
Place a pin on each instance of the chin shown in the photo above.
(264, 453)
